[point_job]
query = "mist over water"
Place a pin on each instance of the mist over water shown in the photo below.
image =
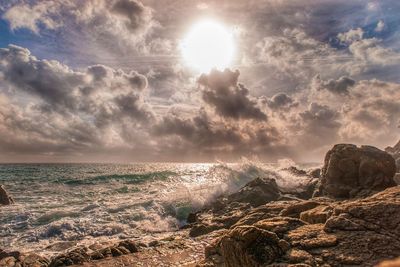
(59, 206)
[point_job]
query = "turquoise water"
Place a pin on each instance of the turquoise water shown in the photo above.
(59, 206)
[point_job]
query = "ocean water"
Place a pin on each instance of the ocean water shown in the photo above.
(60, 206)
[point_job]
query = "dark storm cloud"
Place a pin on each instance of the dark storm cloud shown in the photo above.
(133, 11)
(280, 100)
(63, 89)
(339, 86)
(228, 97)
(205, 137)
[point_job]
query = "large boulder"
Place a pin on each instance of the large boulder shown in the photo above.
(5, 199)
(351, 171)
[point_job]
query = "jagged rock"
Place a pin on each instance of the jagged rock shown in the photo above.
(76, 256)
(318, 214)
(350, 171)
(251, 246)
(129, 245)
(192, 217)
(34, 260)
(226, 211)
(16, 258)
(5, 199)
(257, 192)
(361, 232)
(295, 171)
(81, 255)
(314, 173)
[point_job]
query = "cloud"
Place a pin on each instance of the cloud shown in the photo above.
(205, 137)
(63, 109)
(95, 24)
(351, 36)
(380, 26)
(32, 17)
(339, 86)
(280, 100)
(229, 98)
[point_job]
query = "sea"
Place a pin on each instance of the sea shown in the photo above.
(61, 206)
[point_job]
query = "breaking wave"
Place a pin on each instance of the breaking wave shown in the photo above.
(55, 210)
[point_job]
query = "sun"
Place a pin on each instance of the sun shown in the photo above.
(208, 45)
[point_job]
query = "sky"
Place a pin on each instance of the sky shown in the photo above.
(106, 80)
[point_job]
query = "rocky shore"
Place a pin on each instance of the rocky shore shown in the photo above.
(348, 214)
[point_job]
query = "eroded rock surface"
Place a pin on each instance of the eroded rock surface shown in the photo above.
(351, 171)
(320, 232)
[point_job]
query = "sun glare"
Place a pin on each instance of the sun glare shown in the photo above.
(208, 45)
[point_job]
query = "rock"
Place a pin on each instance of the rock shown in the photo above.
(295, 171)
(5, 199)
(256, 192)
(395, 152)
(76, 256)
(192, 217)
(318, 214)
(361, 232)
(390, 263)
(314, 173)
(226, 211)
(34, 260)
(250, 246)
(129, 245)
(351, 171)
(8, 261)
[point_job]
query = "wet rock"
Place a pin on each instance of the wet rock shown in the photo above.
(257, 192)
(314, 173)
(76, 256)
(295, 171)
(5, 199)
(351, 171)
(192, 217)
(129, 245)
(226, 211)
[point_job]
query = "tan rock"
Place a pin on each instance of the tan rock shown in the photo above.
(317, 215)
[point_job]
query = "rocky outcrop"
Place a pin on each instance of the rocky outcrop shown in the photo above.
(15, 258)
(226, 211)
(320, 232)
(5, 199)
(351, 171)
(73, 257)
